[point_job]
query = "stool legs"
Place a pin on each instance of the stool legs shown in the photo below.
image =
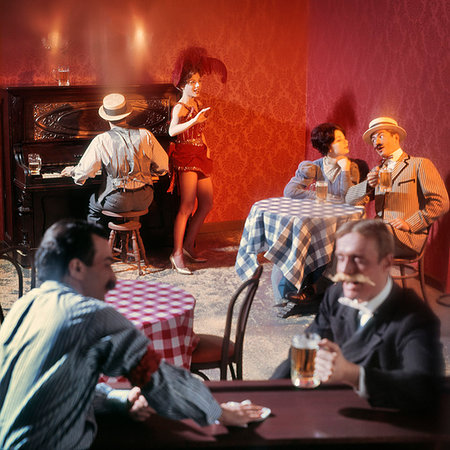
(136, 254)
(136, 241)
(142, 248)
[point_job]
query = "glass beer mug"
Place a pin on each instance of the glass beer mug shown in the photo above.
(303, 353)
(385, 179)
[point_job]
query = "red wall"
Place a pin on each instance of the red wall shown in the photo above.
(256, 130)
(289, 62)
(385, 57)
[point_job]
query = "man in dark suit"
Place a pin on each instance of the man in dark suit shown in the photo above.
(376, 337)
(418, 196)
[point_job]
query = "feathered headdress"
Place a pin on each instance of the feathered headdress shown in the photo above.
(196, 59)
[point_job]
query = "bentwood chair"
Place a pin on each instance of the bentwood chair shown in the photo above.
(413, 267)
(13, 269)
(217, 352)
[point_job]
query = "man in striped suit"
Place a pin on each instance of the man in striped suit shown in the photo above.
(417, 197)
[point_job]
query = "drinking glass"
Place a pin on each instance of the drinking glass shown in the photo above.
(385, 179)
(61, 75)
(34, 163)
(321, 190)
(303, 353)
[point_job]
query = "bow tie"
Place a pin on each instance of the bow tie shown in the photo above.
(356, 305)
(385, 161)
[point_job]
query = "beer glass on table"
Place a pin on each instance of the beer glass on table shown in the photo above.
(303, 353)
(321, 190)
(34, 163)
(385, 179)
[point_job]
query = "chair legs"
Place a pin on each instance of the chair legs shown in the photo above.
(418, 273)
(422, 280)
(136, 243)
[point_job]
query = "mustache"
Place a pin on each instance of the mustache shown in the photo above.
(111, 284)
(357, 278)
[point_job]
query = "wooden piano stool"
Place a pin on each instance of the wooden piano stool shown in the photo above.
(121, 233)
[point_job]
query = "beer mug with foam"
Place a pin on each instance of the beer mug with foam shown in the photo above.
(303, 353)
(321, 190)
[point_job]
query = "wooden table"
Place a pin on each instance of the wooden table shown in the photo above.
(326, 417)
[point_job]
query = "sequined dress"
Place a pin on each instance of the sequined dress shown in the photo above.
(188, 152)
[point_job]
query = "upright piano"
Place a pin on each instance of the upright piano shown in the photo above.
(59, 123)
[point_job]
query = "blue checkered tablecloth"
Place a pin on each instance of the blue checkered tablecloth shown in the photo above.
(296, 234)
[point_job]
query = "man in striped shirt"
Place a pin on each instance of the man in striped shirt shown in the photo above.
(417, 197)
(58, 339)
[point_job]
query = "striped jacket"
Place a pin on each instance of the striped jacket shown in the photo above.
(418, 196)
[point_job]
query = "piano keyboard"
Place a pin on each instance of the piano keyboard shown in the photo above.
(52, 175)
(58, 174)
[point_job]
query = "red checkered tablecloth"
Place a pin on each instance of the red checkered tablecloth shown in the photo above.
(163, 312)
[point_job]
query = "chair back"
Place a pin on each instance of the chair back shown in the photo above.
(408, 269)
(7, 254)
(251, 287)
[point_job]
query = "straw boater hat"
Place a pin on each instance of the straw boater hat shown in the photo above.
(383, 123)
(114, 107)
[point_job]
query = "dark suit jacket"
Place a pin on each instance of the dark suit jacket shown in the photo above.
(399, 347)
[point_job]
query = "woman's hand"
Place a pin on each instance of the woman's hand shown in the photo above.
(343, 162)
(201, 115)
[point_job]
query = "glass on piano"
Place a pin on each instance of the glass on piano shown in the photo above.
(303, 354)
(34, 163)
(321, 190)
(61, 75)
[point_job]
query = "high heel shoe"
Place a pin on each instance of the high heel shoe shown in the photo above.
(181, 270)
(196, 260)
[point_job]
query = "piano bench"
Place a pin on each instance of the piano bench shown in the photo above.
(119, 239)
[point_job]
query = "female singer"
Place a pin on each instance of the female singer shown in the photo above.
(189, 156)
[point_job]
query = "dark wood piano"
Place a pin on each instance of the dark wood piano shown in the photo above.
(58, 123)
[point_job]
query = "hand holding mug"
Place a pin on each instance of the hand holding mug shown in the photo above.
(372, 177)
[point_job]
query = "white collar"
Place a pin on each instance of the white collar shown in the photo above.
(395, 156)
(377, 301)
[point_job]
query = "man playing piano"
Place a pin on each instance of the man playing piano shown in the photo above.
(127, 156)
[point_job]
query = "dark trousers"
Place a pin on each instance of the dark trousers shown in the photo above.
(119, 201)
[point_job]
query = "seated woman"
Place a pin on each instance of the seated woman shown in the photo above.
(334, 167)
(340, 174)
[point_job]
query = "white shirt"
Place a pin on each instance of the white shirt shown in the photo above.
(147, 153)
(394, 157)
(371, 305)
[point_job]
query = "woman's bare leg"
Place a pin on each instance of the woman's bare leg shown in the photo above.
(188, 194)
(205, 202)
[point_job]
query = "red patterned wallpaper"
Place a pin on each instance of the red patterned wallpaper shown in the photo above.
(363, 59)
(385, 57)
(256, 129)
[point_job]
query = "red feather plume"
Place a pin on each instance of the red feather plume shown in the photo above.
(196, 59)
